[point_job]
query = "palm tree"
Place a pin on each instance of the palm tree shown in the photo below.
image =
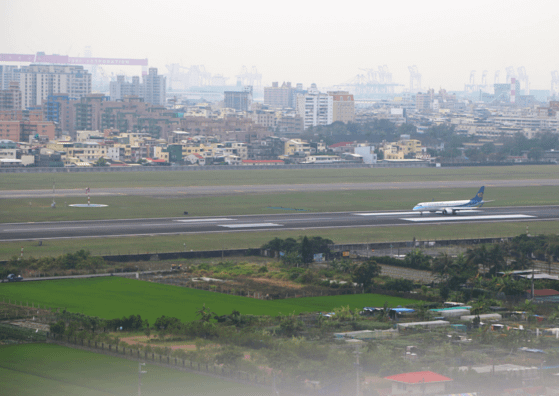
(443, 266)
(478, 256)
(496, 257)
(205, 314)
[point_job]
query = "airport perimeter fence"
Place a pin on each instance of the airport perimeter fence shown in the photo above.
(190, 168)
(414, 244)
(262, 379)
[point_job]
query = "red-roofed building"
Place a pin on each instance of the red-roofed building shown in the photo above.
(543, 292)
(196, 158)
(543, 295)
(418, 383)
(342, 147)
(153, 161)
(262, 162)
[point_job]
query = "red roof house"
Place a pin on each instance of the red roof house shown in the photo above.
(418, 383)
(543, 292)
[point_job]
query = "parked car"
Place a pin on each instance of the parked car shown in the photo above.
(14, 278)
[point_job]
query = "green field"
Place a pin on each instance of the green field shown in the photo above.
(115, 297)
(34, 181)
(46, 369)
(127, 207)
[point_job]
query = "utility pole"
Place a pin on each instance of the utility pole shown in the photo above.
(140, 372)
(357, 369)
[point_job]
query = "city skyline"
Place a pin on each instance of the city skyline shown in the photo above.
(307, 43)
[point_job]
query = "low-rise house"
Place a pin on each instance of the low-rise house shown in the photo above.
(431, 324)
(262, 162)
(419, 383)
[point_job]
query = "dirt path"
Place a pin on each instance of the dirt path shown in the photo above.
(142, 340)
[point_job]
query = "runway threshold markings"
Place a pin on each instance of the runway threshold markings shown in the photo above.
(250, 225)
(466, 218)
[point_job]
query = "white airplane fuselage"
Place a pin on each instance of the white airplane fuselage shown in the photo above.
(451, 207)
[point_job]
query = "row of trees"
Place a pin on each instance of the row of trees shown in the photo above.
(298, 252)
(80, 260)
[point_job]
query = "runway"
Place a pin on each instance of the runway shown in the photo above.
(255, 223)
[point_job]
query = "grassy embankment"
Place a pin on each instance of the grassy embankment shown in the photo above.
(115, 297)
(35, 181)
(46, 369)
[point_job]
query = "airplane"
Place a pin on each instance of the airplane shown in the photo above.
(452, 207)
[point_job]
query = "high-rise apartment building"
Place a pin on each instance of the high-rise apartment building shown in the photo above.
(7, 75)
(154, 88)
(239, 100)
(343, 106)
(37, 82)
(61, 110)
(121, 88)
(315, 108)
(10, 99)
(87, 110)
(422, 102)
(276, 96)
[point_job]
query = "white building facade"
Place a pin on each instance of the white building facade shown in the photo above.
(315, 108)
(37, 82)
(154, 88)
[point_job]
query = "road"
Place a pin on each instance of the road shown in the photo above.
(203, 191)
(291, 221)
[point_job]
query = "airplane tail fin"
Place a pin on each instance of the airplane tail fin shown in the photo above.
(479, 195)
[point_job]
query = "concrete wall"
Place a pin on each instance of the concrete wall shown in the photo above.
(203, 168)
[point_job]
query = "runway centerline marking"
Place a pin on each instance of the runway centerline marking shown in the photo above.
(385, 213)
(466, 218)
(251, 225)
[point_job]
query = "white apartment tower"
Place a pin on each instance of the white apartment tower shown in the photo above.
(37, 82)
(315, 108)
(154, 88)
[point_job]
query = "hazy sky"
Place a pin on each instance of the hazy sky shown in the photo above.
(299, 41)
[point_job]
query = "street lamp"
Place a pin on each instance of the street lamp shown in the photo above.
(140, 372)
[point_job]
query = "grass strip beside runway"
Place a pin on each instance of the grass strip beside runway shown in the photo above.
(129, 207)
(241, 240)
(38, 181)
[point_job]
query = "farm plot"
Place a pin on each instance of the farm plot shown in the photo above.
(115, 297)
